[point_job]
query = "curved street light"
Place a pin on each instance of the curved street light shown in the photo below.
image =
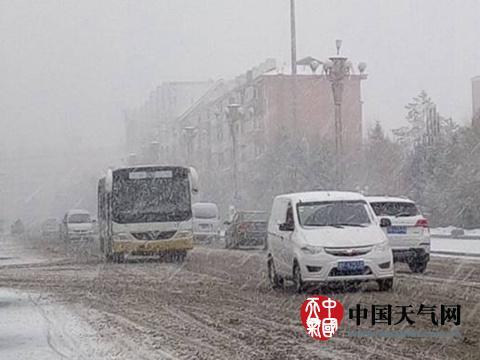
(336, 70)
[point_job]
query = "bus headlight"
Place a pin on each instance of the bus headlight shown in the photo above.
(121, 236)
(183, 234)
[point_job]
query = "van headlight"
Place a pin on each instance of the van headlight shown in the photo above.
(309, 249)
(382, 247)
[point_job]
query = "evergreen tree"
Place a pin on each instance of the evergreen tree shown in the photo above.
(383, 160)
(412, 134)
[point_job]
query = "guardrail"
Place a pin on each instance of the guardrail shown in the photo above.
(459, 237)
(454, 253)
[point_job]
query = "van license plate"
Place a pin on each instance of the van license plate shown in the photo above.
(351, 265)
(397, 230)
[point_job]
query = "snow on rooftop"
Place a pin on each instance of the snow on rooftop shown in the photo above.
(323, 196)
(388, 199)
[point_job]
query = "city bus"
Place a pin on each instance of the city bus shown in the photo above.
(146, 211)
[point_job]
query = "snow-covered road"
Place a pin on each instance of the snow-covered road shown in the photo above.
(34, 325)
(217, 305)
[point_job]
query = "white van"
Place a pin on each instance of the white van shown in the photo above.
(206, 222)
(77, 225)
(325, 236)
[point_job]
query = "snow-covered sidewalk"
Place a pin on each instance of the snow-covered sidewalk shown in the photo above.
(31, 327)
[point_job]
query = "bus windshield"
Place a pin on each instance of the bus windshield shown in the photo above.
(151, 196)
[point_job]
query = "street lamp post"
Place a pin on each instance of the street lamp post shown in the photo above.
(189, 132)
(233, 114)
(336, 70)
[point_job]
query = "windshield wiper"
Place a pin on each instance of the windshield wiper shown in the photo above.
(348, 224)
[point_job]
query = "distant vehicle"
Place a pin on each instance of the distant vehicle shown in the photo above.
(17, 228)
(320, 237)
(246, 229)
(206, 222)
(77, 225)
(409, 233)
(50, 227)
(146, 210)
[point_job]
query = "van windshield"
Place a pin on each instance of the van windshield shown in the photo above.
(333, 213)
(79, 219)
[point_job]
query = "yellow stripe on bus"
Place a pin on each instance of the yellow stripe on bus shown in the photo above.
(152, 246)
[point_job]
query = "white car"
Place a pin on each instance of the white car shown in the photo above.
(409, 234)
(206, 222)
(77, 225)
(321, 237)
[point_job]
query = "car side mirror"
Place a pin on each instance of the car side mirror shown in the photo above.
(193, 180)
(286, 227)
(384, 222)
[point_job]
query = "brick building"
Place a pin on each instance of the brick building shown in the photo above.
(273, 107)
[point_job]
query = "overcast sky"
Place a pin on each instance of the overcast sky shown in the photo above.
(68, 68)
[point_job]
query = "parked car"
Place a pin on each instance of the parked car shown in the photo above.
(77, 225)
(50, 227)
(321, 237)
(206, 222)
(246, 229)
(409, 233)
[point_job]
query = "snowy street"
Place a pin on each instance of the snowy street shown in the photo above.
(239, 180)
(216, 305)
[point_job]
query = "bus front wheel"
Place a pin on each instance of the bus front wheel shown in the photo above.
(118, 257)
(178, 256)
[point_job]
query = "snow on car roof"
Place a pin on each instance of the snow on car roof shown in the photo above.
(388, 199)
(145, 166)
(323, 196)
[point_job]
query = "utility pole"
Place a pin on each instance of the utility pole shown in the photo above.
(293, 37)
(293, 44)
